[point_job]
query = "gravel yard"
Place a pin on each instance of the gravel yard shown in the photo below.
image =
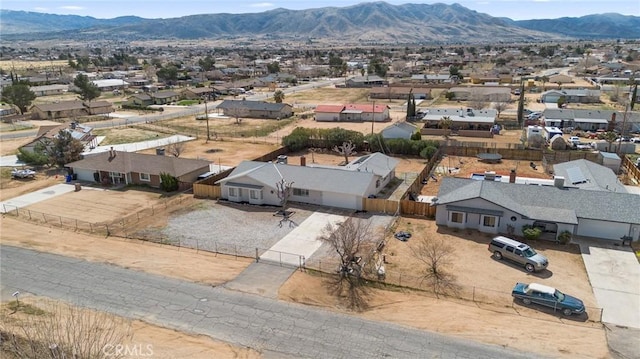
(230, 228)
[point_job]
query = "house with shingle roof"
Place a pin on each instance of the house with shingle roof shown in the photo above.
(125, 168)
(332, 186)
(589, 175)
(255, 109)
(571, 96)
(497, 207)
(69, 109)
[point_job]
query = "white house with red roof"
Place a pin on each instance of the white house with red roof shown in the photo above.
(352, 113)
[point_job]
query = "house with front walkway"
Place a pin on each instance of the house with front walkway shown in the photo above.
(331, 186)
(497, 207)
(126, 168)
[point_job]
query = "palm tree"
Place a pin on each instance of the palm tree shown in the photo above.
(544, 79)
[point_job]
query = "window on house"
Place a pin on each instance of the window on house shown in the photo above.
(457, 217)
(377, 183)
(255, 194)
(145, 177)
(232, 192)
(301, 192)
(489, 221)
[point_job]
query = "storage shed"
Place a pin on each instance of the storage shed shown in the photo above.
(611, 160)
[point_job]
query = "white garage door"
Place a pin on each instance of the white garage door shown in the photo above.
(601, 229)
(85, 175)
(340, 200)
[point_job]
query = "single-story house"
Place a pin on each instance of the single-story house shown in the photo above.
(400, 92)
(116, 167)
(399, 130)
(111, 84)
(484, 93)
(582, 119)
(67, 109)
(571, 96)
(164, 97)
(432, 78)
(366, 81)
(46, 134)
(352, 113)
(196, 93)
(462, 118)
(560, 79)
(332, 186)
(255, 109)
(140, 100)
(49, 90)
(497, 207)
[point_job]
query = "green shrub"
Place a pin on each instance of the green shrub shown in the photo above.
(35, 158)
(428, 152)
(530, 232)
(564, 237)
(169, 183)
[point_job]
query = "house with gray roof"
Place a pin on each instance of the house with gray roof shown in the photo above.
(399, 130)
(332, 186)
(497, 207)
(461, 118)
(583, 119)
(255, 109)
(125, 168)
(588, 175)
(571, 96)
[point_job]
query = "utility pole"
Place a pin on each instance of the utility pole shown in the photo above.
(206, 113)
(373, 115)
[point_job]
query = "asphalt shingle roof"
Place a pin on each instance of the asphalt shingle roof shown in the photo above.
(545, 202)
(125, 162)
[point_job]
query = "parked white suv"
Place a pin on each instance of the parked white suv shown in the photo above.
(574, 140)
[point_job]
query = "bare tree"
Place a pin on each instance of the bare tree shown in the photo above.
(62, 331)
(176, 148)
(236, 111)
(354, 241)
(346, 149)
(435, 254)
(500, 106)
(284, 192)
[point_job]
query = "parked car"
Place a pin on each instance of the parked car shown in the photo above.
(574, 140)
(534, 116)
(548, 297)
(507, 248)
(635, 139)
(24, 173)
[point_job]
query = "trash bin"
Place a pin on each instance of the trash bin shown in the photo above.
(68, 178)
(74, 176)
(78, 187)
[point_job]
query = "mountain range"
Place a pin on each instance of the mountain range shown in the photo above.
(375, 22)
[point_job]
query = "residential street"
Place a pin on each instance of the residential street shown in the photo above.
(278, 329)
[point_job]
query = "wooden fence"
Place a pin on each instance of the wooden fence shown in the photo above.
(631, 169)
(201, 190)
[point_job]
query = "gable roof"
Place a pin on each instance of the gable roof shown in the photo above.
(587, 175)
(252, 105)
(547, 203)
(402, 126)
(125, 162)
(378, 163)
(311, 178)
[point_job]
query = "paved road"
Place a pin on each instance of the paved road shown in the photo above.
(178, 111)
(277, 328)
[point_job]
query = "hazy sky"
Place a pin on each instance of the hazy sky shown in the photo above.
(514, 9)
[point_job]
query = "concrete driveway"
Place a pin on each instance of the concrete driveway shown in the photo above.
(35, 197)
(614, 273)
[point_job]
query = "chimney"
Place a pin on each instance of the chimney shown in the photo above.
(303, 161)
(558, 181)
(112, 152)
(512, 176)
